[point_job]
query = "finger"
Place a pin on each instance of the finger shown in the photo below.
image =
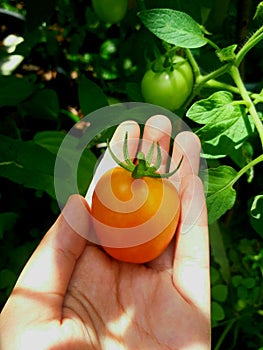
(116, 145)
(158, 129)
(44, 280)
(191, 260)
(186, 144)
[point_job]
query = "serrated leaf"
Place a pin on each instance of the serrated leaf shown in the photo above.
(219, 113)
(205, 110)
(174, 27)
(221, 195)
(91, 97)
(229, 141)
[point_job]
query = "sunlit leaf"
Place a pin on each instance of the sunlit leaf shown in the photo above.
(174, 27)
(221, 195)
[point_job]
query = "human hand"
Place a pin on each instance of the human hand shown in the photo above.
(72, 295)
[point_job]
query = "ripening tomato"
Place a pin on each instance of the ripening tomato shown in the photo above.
(168, 87)
(110, 11)
(134, 218)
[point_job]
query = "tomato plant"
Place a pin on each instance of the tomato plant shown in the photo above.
(135, 211)
(73, 62)
(110, 11)
(169, 86)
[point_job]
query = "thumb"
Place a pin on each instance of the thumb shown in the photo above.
(41, 287)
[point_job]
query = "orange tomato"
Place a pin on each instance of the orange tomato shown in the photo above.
(134, 219)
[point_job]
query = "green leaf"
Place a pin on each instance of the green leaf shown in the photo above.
(218, 112)
(133, 91)
(174, 27)
(14, 90)
(27, 163)
(237, 280)
(242, 292)
(259, 11)
(91, 97)
(227, 53)
(219, 292)
(230, 140)
(249, 282)
(214, 275)
(44, 104)
(217, 311)
(218, 251)
(221, 195)
(51, 140)
(204, 111)
(7, 221)
(256, 214)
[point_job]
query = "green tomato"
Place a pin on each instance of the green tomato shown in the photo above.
(110, 11)
(168, 88)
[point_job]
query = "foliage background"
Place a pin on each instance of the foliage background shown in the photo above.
(71, 63)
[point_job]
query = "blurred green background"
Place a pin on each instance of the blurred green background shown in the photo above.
(58, 62)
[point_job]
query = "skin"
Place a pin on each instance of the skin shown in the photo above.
(72, 295)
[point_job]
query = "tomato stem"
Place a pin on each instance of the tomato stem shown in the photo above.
(143, 165)
(235, 74)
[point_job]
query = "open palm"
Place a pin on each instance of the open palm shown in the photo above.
(71, 295)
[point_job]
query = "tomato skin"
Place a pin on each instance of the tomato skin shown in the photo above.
(110, 11)
(168, 89)
(151, 213)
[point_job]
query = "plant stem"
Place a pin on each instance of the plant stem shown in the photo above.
(210, 42)
(202, 79)
(254, 40)
(246, 168)
(194, 64)
(234, 72)
(224, 334)
(222, 86)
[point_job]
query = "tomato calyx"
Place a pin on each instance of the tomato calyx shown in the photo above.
(143, 165)
(166, 63)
